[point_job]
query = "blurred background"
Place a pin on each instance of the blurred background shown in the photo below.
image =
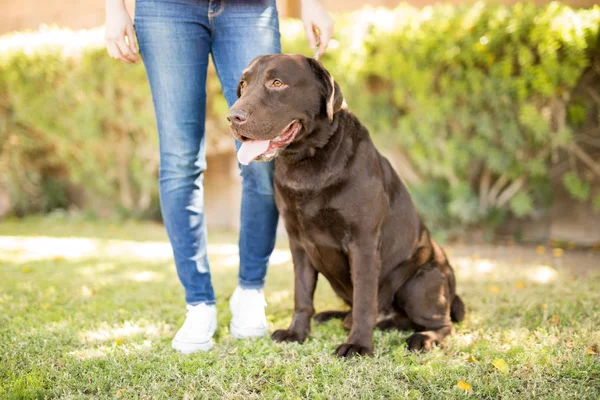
(489, 111)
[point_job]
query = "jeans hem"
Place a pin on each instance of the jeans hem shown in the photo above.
(251, 285)
(207, 302)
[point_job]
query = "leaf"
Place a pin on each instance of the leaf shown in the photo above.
(472, 359)
(557, 252)
(119, 341)
(592, 350)
(540, 250)
(494, 289)
(462, 385)
(576, 187)
(520, 285)
(555, 320)
(596, 203)
(501, 365)
(521, 204)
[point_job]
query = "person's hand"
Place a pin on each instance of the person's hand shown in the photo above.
(119, 33)
(316, 17)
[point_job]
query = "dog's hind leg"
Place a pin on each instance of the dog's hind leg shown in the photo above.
(426, 299)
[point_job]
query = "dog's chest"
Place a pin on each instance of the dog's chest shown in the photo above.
(320, 228)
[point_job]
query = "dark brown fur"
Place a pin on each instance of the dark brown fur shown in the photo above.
(348, 215)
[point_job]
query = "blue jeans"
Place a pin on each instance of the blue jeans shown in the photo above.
(175, 38)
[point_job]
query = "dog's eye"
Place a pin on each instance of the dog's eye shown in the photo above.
(277, 83)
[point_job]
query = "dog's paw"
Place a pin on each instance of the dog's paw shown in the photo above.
(352, 349)
(420, 342)
(285, 335)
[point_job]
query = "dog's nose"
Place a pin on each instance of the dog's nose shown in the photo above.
(237, 117)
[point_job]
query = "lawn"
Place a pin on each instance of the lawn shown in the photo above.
(88, 310)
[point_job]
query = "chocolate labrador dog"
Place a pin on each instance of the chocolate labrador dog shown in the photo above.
(347, 213)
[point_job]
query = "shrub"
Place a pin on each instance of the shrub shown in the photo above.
(478, 101)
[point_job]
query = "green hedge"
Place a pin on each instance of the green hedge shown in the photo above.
(478, 103)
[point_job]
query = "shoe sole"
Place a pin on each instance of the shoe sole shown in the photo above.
(240, 333)
(190, 348)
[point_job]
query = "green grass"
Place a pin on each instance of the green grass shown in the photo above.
(94, 318)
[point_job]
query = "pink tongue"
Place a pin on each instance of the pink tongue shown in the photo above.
(251, 149)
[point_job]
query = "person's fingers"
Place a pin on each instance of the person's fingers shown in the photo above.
(325, 38)
(126, 51)
(115, 52)
(131, 39)
(310, 34)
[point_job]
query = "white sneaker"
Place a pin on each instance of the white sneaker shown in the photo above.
(248, 313)
(197, 330)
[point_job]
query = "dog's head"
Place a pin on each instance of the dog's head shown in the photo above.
(281, 98)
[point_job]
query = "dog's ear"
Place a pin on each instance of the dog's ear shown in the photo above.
(334, 100)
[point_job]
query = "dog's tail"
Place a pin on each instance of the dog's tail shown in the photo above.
(457, 309)
(327, 315)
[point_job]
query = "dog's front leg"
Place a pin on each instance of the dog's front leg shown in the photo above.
(365, 266)
(304, 289)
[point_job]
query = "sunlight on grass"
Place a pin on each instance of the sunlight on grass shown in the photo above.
(543, 274)
(34, 248)
(106, 332)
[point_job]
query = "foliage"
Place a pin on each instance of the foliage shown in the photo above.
(480, 100)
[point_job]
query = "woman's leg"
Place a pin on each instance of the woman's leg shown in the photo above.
(242, 31)
(175, 40)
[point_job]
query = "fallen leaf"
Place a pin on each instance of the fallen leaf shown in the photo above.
(462, 385)
(540, 250)
(501, 365)
(555, 320)
(26, 269)
(233, 351)
(472, 359)
(557, 252)
(494, 289)
(520, 285)
(592, 350)
(119, 341)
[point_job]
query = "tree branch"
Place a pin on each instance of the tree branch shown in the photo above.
(484, 189)
(510, 191)
(586, 159)
(496, 187)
